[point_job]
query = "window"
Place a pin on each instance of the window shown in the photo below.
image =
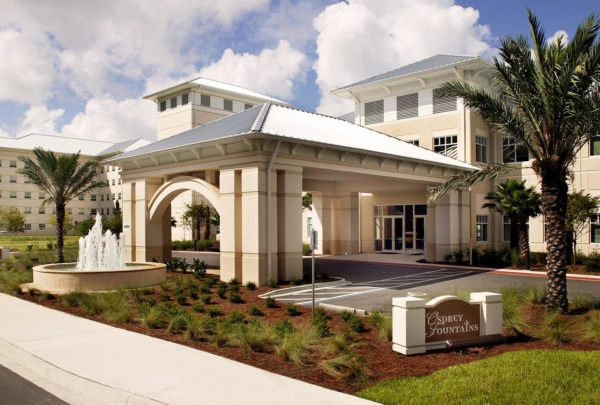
(481, 149)
(93, 197)
(446, 145)
(101, 169)
(595, 229)
(407, 106)
(69, 211)
(81, 197)
(107, 197)
(374, 112)
(228, 105)
(595, 146)
(113, 182)
(184, 99)
(13, 179)
(119, 182)
(119, 197)
(309, 226)
(482, 228)
(101, 211)
(27, 180)
(247, 106)
(414, 142)
(41, 210)
(42, 195)
(174, 102)
(54, 210)
(27, 194)
(444, 104)
(113, 197)
(28, 227)
(108, 211)
(93, 211)
(506, 228)
(27, 210)
(204, 100)
(113, 168)
(42, 227)
(163, 105)
(13, 163)
(101, 197)
(13, 194)
(511, 152)
(80, 211)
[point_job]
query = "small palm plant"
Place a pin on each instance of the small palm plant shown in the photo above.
(545, 95)
(62, 179)
(519, 203)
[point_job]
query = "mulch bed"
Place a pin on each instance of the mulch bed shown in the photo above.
(378, 354)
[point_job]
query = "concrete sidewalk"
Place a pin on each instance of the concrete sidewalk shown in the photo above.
(86, 362)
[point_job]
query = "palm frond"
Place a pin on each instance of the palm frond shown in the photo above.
(485, 174)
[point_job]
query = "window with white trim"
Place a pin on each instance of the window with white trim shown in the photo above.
(374, 112)
(80, 211)
(41, 210)
(184, 99)
(13, 179)
(228, 105)
(81, 197)
(414, 142)
(27, 180)
(204, 100)
(446, 145)
(28, 227)
(309, 226)
(513, 152)
(482, 228)
(595, 146)
(595, 229)
(407, 106)
(163, 106)
(13, 163)
(42, 227)
(481, 149)
(42, 195)
(174, 102)
(27, 194)
(13, 194)
(27, 210)
(93, 197)
(101, 211)
(93, 211)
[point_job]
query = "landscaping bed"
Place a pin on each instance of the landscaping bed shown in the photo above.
(338, 351)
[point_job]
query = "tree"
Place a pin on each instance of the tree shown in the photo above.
(196, 216)
(82, 228)
(115, 223)
(12, 220)
(61, 178)
(580, 208)
(173, 222)
(307, 200)
(519, 203)
(67, 224)
(546, 97)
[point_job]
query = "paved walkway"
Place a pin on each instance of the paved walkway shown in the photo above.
(86, 362)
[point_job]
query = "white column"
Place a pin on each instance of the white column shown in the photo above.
(447, 230)
(408, 325)
(148, 236)
(348, 225)
(289, 223)
(231, 224)
(491, 312)
(322, 204)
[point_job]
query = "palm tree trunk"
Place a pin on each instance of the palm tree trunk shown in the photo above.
(60, 219)
(524, 242)
(554, 206)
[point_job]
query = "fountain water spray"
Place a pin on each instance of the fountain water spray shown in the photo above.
(99, 251)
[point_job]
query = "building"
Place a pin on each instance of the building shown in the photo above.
(17, 191)
(191, 104)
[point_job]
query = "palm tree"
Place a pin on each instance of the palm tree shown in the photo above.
(545, 96)
(307, 200)
(519, 203)
(62, 179)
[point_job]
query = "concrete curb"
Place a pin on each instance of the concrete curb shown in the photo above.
(66, 386)
(307, 287)
(339, 309)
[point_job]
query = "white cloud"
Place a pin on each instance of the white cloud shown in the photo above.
(114, 121)
(4, 134)
(26, 70)
(558, 34)
(38, 119)
(273, 71)
(363, 38)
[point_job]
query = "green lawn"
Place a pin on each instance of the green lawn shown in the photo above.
(39, 242)
(523, 377)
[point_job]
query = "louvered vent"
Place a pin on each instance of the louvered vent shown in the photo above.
(444, 104)
(407, 106)
(374, 112)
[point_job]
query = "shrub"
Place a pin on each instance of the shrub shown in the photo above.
(272, 283)
(306, 250)
(213, 312)
(199, 329)
(495, 258)
(182, 244)
(295, 280)
(292, 310)
(346, 315)
(197, 307)
(295, 346)
(193, 294)
(205, 298)
(73, 299)
(325, 275)
(448, 257)
(591, 327)
(234, 281)
(178, 290)
(353, 321)
(172, 265)
(348, 367)
(538, 257)
(221, 290)
(235, 297)
(152, 317)
(165, 285)
(319, 321)
(236, 317)
(234, 288)
(251, 285)
(515, 258)
(211, 281)
(205, 288)
(592, 261)
(458, 255)
(270, 302)
(118, 309)
(253, 337)
(199, 268)
(342, 342)
(181, 299)
(383, 324)
(205, 244)
(178, 323)
(165, 296)
(283, 327)
(254, 311)
(553, 329)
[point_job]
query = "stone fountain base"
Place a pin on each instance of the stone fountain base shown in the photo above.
(51, 278)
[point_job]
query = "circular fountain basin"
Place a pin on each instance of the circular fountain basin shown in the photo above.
(64, 278)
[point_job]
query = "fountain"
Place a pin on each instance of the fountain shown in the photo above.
(101, 266)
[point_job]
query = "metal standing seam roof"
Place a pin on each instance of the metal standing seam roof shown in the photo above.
(203, 81)
(420, 66)
(300, 125)
(348, 116)
(118, 147)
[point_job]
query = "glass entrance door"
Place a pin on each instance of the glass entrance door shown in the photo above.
(420, 233)
(393, 231)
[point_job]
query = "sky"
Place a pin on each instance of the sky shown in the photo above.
(80, 68)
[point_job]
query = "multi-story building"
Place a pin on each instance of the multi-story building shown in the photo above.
(401, 103)
(191, 104)
(17, 191)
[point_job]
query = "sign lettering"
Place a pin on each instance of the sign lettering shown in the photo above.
(452, 319)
